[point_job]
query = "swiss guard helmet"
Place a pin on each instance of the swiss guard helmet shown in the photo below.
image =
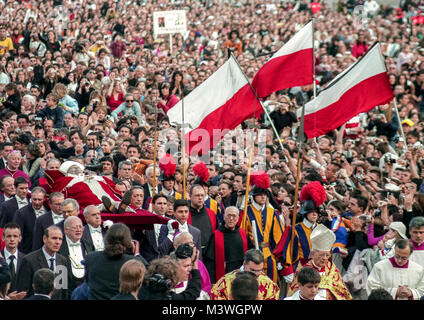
(312, 197)
(201, 172)
(168, 167)
(261, 182)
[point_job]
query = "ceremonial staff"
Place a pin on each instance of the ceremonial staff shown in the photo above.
(155, 137)
(301, 137)
(246, 197)
(183, 144)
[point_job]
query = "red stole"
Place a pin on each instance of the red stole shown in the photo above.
(212, 218)
(2, 244)
(220, 251)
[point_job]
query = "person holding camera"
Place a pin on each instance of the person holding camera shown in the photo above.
(115, 94)
(163, 275)
(82, 95)
(185, 255)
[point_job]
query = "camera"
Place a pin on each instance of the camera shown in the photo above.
(78, 47)
(389, 159)
(158, 283)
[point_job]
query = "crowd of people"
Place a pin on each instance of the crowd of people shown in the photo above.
(85, 89)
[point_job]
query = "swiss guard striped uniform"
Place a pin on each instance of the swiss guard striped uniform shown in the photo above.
(269, 231)
(216, 207)
(301, 246)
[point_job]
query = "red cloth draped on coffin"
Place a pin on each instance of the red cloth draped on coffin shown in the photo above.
(141, 219)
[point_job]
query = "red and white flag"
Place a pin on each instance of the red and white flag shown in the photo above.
(217, 105)
(361, 87)
(291, 66)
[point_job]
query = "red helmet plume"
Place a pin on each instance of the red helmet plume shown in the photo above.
(201, 171)
(260, 179)
(313, 191)
(168, 165)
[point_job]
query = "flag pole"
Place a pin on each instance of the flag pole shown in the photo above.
(260, 102)
(246, 197)
(400, 125)
(313, 60)
(183, 145)
(301, 136)
(154, 155)
(299, 159)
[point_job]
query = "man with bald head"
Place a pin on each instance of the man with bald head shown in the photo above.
(227, 246)
(74, 249)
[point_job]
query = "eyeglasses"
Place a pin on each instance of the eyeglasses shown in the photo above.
(401, 258)
(129, 101)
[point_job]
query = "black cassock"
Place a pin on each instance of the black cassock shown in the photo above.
(234, 253)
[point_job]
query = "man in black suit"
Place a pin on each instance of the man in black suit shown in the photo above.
(75, 249)
(46, 257)
(7, 187)
(152, 242)
(20, 200)
(148, 186)
(5, 148)
(12, 237)
(48, 219)
(43, 284)
(181, 214)
(69, 207)
(26, 216)
(93, 233)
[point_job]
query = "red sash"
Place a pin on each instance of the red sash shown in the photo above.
(220, 251)
(212, 218)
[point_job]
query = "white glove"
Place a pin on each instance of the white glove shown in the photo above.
(289, 278)
(107, 224)
(171, 230)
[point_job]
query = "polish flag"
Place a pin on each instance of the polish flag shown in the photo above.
(361, 87)
(216, 106)
(291, 66)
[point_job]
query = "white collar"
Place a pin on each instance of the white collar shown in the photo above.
(19, 199)
(183, 226)
(257, 206)
(166, 192)
(309, 224)
(69, 241)
(47, 255)
(91, 228)
(39, 210)
(7, 254)
(56, 216)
